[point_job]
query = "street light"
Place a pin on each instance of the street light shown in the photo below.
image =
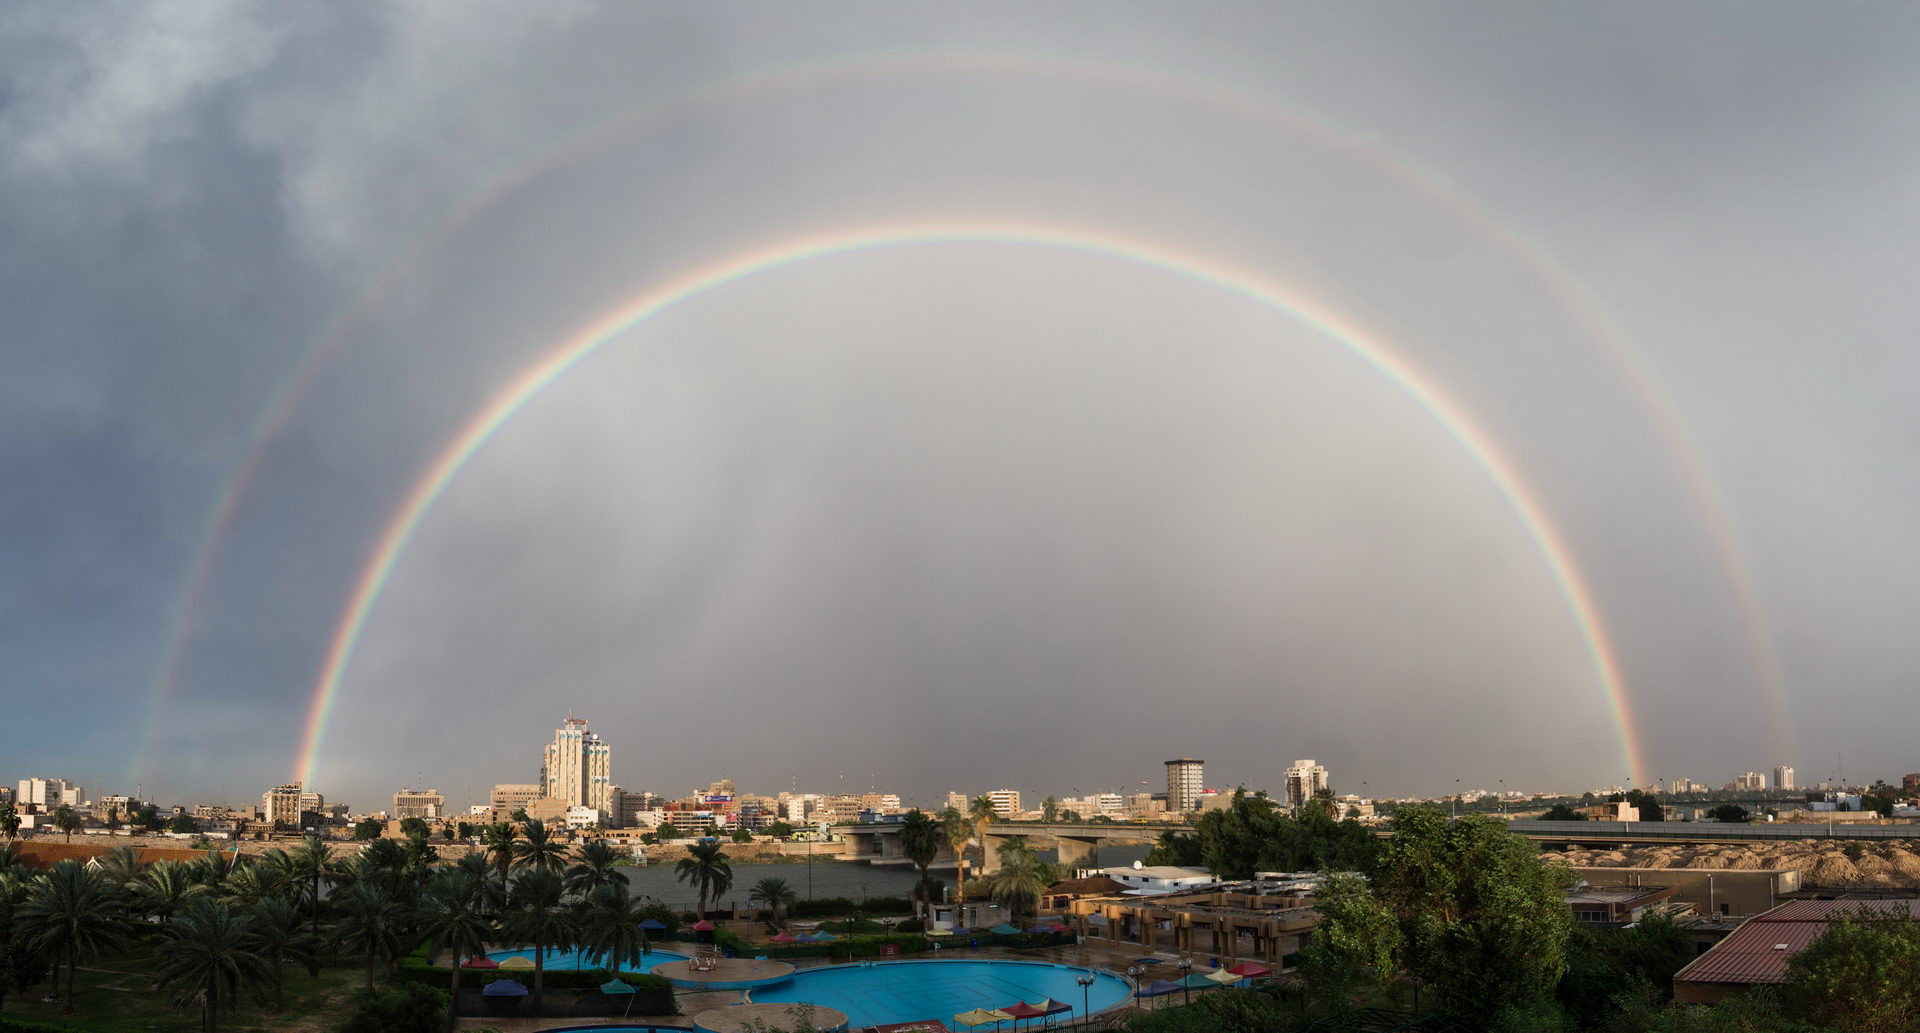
(1186, 992)
(1456, 798)
(1503, 798)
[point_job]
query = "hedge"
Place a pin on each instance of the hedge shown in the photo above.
(653, 995)
(21, 1026)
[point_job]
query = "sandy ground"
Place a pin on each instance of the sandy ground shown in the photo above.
(1822, 863)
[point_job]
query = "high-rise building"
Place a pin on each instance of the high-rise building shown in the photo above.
(1749, 781)
(1006, 802)
(281, 805)
(1185, 778)
(1910, 783)
(578, 768)
(1783, 777)
(48, 794)
(957, 801)
(426, 804)
(1679, 785)
(1304, 779)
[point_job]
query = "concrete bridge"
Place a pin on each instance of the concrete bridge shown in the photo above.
(1077, 842)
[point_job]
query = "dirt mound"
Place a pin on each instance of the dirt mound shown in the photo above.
(1893, 866)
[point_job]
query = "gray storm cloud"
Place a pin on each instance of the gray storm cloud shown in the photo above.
(943, 514)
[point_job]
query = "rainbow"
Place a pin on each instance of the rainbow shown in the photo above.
(564, 357)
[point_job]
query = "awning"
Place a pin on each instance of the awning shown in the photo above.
(1158, 988)
(702, 926)
(1223, 976)
(519, 963)
(785, 938)
(503, 988)
(824, 937)
(1023, 1010)
(616, 986)
(1003, 929)
(981, 1016)
(653, 925)
(1198, 981)
(480, 962)
(1250, 970)
(1049, 1006)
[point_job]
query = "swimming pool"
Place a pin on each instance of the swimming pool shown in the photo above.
(561, 960)
(902, 991)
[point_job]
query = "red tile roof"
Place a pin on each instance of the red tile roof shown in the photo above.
(1758, 951)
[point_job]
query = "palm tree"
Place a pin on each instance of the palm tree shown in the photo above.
(498, 839)
(119, 866)
(595, 868)
(610, 930)
(540, 851)
(538, 915)
(9, 820)
(72, 913)
(958, 830)
(310, 863)
(372, 924)
(205, 950)
(65, 820)
(420, 856)
(453, 915)
(252, 883)
(774, 893)
(1020, 879)
(980, 811)
(13, 892)
(707, 868)
(921, 839)
(274, 923)
(163, 888)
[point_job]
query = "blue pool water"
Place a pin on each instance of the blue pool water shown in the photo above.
(902, 991)
(573, 959)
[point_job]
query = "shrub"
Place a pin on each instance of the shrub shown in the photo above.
(410, 1008)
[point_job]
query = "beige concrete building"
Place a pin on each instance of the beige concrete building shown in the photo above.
(1303, 779)
(1711, 891)
(578, 767)
(1229, 925)
(425, 804)
(281, 805)
(1186, 777)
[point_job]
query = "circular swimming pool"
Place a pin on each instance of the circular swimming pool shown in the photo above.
(563, 960)
(902, 991)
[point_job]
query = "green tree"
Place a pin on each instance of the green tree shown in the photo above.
(1604, 964)
(1647, 804)
(309, 865)
(1050, 809)
(920, 840)
(66, 820)
(740, 836)
(1563, 812)
(453, 915)
(957, 829)
(163, 888)
(1358, 941)
(538, 915)
(980, 811)
(403, 1009)
(1481, 919)
(1729, 812)
(120, 866)
(372, 924)
(411, 827)
(540, 850)
(707, 870)
(1020, 879)
(1175, 849)
(367, 829)
(20, 964)
(207, 951)
(774, 894)
(780, 830)
(1862, 975)
(497, 837)
(72, 914)
(9, 821)
(610, 929)
(274, 925)
(182, 825)
(596, 864)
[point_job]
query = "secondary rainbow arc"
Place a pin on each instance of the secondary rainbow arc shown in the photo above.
(399, 529)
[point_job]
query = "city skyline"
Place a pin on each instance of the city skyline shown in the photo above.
(1440, 395)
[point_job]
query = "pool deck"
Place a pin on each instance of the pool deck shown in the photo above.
(728, 973)
(749, 1018)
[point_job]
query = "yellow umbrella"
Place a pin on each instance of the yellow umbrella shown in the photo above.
(1222, 976)
(517, 962)
(981, 1016)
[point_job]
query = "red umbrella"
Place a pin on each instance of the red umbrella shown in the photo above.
(1250, 970)
(702, 926)
(480, 962)
(784, 938)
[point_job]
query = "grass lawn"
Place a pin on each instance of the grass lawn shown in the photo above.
(113, 997)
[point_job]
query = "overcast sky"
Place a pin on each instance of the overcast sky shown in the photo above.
(948, 515)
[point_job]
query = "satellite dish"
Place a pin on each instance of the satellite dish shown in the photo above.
(1137, 866)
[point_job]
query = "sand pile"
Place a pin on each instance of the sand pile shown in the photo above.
(1821, 863)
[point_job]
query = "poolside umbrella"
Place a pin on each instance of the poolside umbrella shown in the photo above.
(785, 938)
(804, 938)
(1023, 1010)
(1158, 988)
(980, 1017)
(653, 925)
(480, 961)
(503, 988)
(824, 937)
(1198, 981)
(517, 962)
(1049, 1006)
(1250, 970)
(1222, 976)
(616, 986)
(702, 926)
(1003, 929)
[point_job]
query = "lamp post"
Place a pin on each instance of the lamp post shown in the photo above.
(1503, 798)
(1086, 997)
(1186, 992)
(1133, 974)
(1456, 798)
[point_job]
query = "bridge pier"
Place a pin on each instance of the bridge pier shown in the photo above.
(1078, 853)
